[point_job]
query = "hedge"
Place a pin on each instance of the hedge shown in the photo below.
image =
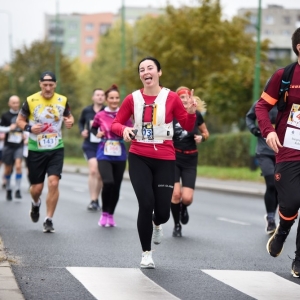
(223, 150)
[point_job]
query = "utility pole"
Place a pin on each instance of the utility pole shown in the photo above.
(123, 51)
(57, 48)
(10, 47)
(256, 82)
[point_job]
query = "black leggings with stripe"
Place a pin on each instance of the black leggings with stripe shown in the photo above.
(153, 182)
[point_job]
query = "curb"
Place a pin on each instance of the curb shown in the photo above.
(209, 184)
(9, 288)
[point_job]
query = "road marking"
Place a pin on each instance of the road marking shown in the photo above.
(119, 283)
(259, 285)
(79, 190)
(233, 221)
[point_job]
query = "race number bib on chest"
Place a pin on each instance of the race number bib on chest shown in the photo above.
(147, 131)
(47, 140)
(112, 148)
(15, 137)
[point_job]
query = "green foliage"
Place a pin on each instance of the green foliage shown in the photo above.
(106, 68)
(220, 150)
(26, 68)
(225, 150)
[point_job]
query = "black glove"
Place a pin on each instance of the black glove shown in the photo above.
(255, 131)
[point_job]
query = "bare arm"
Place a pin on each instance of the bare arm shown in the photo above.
(204, 134)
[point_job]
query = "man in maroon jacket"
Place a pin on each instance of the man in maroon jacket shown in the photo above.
(284, 139)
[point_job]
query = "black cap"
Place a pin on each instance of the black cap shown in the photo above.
(50, 74)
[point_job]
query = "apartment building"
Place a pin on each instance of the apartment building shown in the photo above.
(79, 34)
(277, 25)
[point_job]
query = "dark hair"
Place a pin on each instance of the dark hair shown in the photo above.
(296, 40)
(150, 58)
(111, 89)
(98, 89)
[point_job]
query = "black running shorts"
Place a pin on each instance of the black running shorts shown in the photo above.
(42, 163)
(10, 154)
(186, 169)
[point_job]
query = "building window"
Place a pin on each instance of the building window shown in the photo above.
(286, 32)
(253, 19)
(89, 39)
(72, 39)
(103, 28)
(269, 20)
(89, 53)
(268, 32)
(73, 53)
(286, 20)
(72, 25)
(89, 26)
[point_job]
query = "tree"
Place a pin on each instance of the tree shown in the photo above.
(106, 68)
(27, 66)
(196, 48)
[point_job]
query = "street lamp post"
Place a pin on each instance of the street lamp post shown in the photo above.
(57, 48)
(256, 82)
(123, 50)
(10, 46)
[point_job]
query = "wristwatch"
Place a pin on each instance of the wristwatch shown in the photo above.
(27, 127)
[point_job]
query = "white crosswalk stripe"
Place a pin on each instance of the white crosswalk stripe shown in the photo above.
(129, 283)
(119, 283)
(259, 285)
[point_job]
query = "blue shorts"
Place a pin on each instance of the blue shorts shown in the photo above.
(89, 150)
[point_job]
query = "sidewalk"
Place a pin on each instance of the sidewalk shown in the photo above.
(8, 286)
(231, 186)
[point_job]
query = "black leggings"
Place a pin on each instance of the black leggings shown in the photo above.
(112, 176)
(270, 194)
(153, 182)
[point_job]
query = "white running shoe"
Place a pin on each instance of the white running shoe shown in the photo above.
(147, 261)
(157, 234)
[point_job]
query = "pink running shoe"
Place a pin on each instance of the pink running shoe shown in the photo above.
(103, 219)
(110, 221)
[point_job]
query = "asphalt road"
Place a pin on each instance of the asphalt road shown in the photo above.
(222, 253)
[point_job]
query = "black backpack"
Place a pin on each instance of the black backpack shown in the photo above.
(284, 86)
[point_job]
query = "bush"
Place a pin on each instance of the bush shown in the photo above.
(221, 150)
(225, 150)
(73, 147)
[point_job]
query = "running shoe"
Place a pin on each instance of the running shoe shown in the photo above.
(184, 215)
(296, 267)
(8, 195)
(147, 261)
(276, 241)
(177, 231)
(48, 226)
(157, 234)
(94, 206)
(103, 219)
(18, 194)
(35, 213)
(110, 221)
(270, 225)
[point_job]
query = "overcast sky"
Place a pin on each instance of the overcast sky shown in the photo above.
(28, 15)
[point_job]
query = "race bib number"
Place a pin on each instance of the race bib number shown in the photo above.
(112, 148)
(47, 140)
(292, 138)
(93, 138)
(147, 131)
(15, 137)
(294, 116)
